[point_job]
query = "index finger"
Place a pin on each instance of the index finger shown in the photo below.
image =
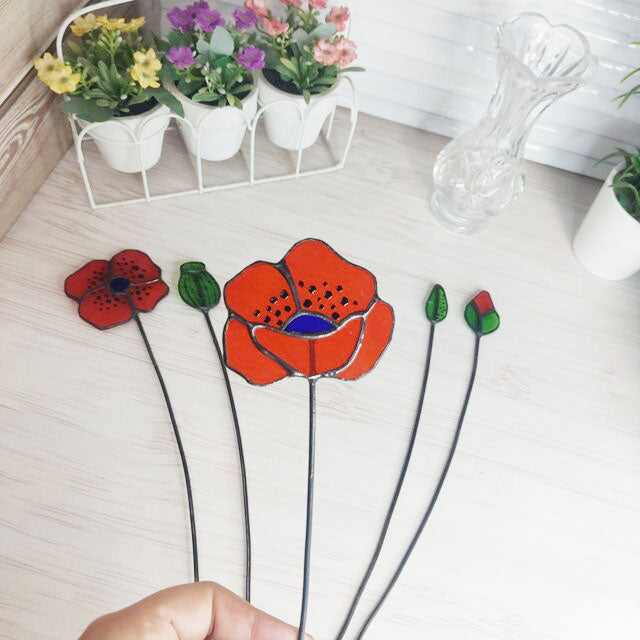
(199, 611)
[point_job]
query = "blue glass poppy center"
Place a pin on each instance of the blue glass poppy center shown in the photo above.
(118, 285)
(309, 324)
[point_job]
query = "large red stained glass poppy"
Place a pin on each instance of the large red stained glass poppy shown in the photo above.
(312, 314)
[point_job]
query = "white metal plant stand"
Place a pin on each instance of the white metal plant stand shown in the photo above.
(82, 133)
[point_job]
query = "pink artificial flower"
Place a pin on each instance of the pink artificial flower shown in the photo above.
(293, 3)
(258, 7)
(318, 4)
(274, 27)
(345, 52)
(340, 16)
(325, 53)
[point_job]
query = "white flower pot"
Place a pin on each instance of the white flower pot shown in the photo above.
(290, 117)
(115, 139)
(221, 129)
(608, 241)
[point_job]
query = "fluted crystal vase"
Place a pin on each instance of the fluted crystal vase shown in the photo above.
(481, 173)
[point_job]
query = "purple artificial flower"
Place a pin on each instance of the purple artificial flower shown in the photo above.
(194, 9)
(180, 19)
(251, 58)
(181, 57)
(208, 20)
(245, 18)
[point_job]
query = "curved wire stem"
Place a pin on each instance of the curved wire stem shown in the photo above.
(396, 494)
(243, 468)
(310, 483)
(433, 501)
(183, 457)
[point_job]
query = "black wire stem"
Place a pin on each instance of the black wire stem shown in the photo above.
(243, 468)
(183, 458)
(396, 494)
(310, 483)
(433, 501)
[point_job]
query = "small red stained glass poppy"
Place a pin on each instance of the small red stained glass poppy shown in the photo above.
(110, 292)
(313, 314)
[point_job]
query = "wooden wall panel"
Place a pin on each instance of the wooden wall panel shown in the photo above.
(26, 28)
(34, 135)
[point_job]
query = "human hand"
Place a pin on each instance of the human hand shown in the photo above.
(200, 611)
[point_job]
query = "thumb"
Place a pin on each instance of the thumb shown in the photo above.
(199, 611)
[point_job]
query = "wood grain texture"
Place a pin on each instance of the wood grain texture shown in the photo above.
(536, 533)
(34, 135)
(26, 29)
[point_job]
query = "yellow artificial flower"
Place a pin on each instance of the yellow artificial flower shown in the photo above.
(63, 82)
(84, 24)
(145, 67)
(48, 66)
(132, 25)
(110, 23)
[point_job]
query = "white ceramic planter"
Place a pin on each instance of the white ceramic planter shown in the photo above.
(115, 139)
(608, 241)
(221, 129)
(289, 117)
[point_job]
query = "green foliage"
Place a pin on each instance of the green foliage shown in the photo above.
(216, 78)
(197, 287)
(104, 58)
(623, 97)
(290, 54)
(626, 183)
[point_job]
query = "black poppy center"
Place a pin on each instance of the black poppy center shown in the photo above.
(119, 284)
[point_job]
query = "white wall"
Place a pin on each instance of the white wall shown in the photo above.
(430, 64)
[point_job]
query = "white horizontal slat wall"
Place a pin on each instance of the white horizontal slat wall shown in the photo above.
(431, 64)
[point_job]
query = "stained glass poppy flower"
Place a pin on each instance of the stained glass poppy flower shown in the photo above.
(313, 314)
(109, 292)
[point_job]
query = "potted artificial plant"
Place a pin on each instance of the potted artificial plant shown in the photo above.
(109, 76)
(305, 57)
(209, 67)
(608, 241)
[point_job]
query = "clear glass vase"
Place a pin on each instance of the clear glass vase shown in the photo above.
(481, 173)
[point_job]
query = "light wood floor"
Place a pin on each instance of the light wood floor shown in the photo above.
(536, 534)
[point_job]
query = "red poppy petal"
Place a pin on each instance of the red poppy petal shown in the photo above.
(261, 295)
(242, 355)
(135, 265)
(483, 302)
(335, 350)
(104, 310)
(312, 356)
(377, 333)
(94, 274)
(144, 297)
(326, 283)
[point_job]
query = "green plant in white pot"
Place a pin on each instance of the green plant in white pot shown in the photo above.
(306, 56)
(109, 76)
(608, 241)
(209, 67)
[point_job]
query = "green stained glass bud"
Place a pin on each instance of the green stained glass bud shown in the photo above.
(197, 287)
(437, 306)
(481, 315)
